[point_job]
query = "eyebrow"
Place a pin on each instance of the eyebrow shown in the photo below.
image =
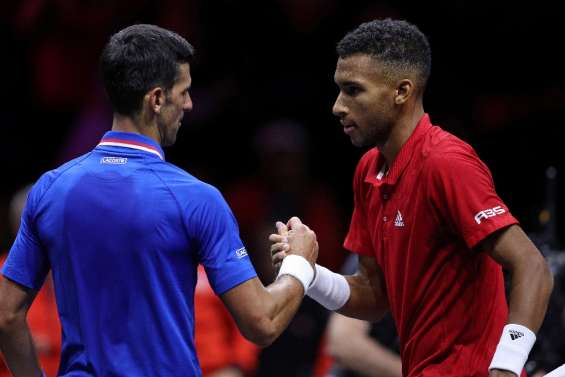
(347, 82)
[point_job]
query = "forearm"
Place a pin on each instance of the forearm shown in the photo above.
(363, 302)
(360, 296)
(531, 286)
(262, 313)
(281, 302)
(18, 349)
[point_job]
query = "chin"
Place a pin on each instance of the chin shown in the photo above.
(170, 138)
(360, 143)
(170, 141)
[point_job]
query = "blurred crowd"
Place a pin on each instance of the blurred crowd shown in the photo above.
(262, 131)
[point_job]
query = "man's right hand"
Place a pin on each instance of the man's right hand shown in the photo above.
(293, 238)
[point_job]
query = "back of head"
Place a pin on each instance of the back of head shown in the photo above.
(138, 58)
(398, 45)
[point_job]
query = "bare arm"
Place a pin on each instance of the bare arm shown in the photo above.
(351, 346)
(15, 338)
(367, 295)
(262, 313)
(368, 299)
(531, 280)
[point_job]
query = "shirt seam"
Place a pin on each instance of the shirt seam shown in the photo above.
(177, 202)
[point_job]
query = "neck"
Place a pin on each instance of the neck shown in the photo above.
(400, 132)
(123, 123)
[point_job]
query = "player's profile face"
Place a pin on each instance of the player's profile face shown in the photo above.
(365, 103)
(177, 102)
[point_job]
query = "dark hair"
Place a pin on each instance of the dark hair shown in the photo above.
(398, 44)
(138, 58)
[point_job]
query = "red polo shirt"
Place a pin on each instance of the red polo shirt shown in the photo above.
(421, 221)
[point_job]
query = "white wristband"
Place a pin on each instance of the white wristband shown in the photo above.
(513, 349)
(329, 289)
(299, 268)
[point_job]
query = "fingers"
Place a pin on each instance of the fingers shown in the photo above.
(278, 258)
(294, 223)
(281, 228)
(277, 238)
(279, 246)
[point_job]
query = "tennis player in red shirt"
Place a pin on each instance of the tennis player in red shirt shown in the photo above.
(431, 232)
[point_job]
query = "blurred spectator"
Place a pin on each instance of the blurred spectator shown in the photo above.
(284, 187)
(360, 348)
(363, 349)
(42, 316)
(222, 350)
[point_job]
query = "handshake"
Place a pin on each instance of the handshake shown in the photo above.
(293, 238)
(294, 252)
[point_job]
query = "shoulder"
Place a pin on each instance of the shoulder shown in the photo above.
(443, 150)
(47, 179)
(448, 161)
(187, 183)
(191, 192)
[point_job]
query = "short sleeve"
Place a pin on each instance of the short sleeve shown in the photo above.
(27, 262)
(463, 193)
(358, 239)
(214, 229)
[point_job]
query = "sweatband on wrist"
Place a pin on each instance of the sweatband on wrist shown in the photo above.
(299, 268)
(513, 349)
(329, 289)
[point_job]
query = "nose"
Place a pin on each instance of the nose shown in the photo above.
(338, 109)
(187, 106)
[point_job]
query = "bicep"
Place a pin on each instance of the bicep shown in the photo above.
(510, 247)
(15, 299)
(531, 278)
(262, 313)
(243, 299)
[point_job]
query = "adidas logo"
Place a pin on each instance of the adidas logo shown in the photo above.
(514, 334)
(398, 221)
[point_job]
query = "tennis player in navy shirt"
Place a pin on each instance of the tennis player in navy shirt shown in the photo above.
(123, 232)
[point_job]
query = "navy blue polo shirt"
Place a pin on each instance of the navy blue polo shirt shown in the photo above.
(123, 232)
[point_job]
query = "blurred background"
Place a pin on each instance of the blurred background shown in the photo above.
(263, 91)
(496, 81)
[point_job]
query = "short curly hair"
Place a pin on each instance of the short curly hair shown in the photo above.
(397, 44)
(139, 58)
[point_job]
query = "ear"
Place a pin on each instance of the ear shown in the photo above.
(155, 99)
(404, 90)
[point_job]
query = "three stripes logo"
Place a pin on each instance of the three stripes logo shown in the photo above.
(399, 221)
(515, 334)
